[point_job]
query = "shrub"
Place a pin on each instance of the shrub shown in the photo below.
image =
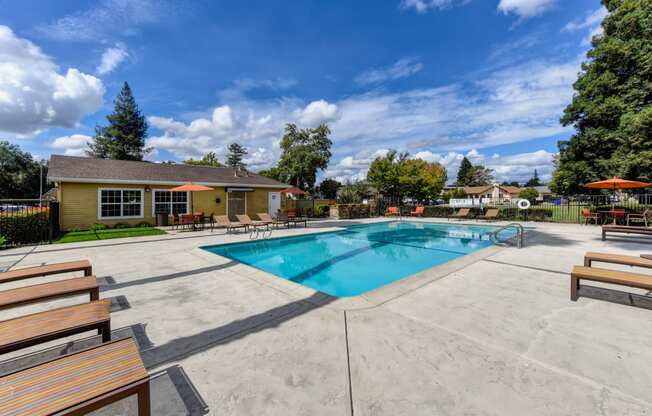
(144, 224)
(2, 241)
(26, 228)
(322, 211)
(351, 211)
(528, 193)
(98, 226)
(120, 225)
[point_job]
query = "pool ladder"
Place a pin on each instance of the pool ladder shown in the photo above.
(520, 233)
(255, 233)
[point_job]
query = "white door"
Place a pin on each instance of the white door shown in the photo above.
(274, 203)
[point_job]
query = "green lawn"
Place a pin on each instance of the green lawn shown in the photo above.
(77, 236)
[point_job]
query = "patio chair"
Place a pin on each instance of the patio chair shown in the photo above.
(490, 215)
(249, 223)
(619, 214)
(418, 212)
(267, 219)
(392, 212)
(224, 221)
(291, 218)
(78, 383)
(187, 220)
(590, 216)
(461, 213)
(638, 218)
(173, 220)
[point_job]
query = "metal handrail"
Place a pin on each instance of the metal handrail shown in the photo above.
(520, 232)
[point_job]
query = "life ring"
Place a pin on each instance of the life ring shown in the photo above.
(523, 204)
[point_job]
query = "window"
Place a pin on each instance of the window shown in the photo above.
(166, 202)
(120, 203)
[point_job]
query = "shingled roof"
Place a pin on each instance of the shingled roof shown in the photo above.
(89, 170)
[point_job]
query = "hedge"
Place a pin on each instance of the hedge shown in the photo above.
(25, 229)
(504, 213)
(352, 211)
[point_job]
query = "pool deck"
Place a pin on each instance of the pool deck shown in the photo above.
(493, 333)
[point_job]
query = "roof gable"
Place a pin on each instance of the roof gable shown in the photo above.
(84, 169)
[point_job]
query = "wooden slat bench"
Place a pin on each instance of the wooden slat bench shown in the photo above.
(48, 269)
(28, 330)
(623, 229)
(625, 260)
(616, 277)
(52, 290)
(78, 383)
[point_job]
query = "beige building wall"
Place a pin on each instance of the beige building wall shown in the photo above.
(79, 203)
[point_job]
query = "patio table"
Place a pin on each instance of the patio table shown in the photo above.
(612, 213)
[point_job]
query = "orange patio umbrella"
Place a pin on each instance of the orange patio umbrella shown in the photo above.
(616, 183)
(191, 187)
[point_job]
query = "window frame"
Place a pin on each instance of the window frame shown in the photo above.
(99, 203)
(170, 203)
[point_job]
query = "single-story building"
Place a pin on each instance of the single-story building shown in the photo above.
(494, 192)
(108, 191)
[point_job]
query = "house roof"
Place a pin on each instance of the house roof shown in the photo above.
(294, 190)
(84, 169)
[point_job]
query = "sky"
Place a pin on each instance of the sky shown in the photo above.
(440, 79)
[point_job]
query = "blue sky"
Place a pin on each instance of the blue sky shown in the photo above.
(439, 78)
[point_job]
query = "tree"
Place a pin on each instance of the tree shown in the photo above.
(611, 110)
(420, 180)
(480, 176)
(528, 193)
(20, 174)
(209, 159)
(328, 188)
(512, 183)
(237, 152)
(124, 137)
(464, 172)
(456, 193)
(272, 173)
(305, 151)
(535, 181)
(354, 193)
(384, 174)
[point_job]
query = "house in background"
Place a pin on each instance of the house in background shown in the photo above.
(495, 192)
(108, 191)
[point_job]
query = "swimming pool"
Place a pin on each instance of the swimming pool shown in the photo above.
(360, 258)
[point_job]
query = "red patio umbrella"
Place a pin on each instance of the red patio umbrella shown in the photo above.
(191, 187)
(616, 183)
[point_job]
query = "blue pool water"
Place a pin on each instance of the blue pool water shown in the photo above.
(360, 258)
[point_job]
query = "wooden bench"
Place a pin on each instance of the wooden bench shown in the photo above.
(28, 330)
(623, 229)
(52, 290)
(78, 383)
(48, 269)
(616, 277)
(633, 261)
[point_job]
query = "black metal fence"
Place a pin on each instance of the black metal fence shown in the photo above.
(28, 221)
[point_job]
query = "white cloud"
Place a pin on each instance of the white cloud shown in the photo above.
(592, 21)
(525, 8)
(317, 112)
(74, 145)
(108, 18)
(422, 6)
(400, 69)
(111, 58)
(34, 95)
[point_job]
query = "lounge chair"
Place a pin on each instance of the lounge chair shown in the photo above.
(490, 215)
(78, 383)
(28, 330)
(461, 213)
(633, 261)
(624, 229)
(418, 212)
(638, 218)
(590, 216)
(267, 219)
(249, 223)
(224, 221)
(53, 290)
(616, 277)
(47, 270)
(392, 212)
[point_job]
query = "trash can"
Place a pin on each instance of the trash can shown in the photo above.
(161, 220)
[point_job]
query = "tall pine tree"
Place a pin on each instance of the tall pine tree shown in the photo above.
(237, 152)
(124, 137)
(465, 172)
(612, 108)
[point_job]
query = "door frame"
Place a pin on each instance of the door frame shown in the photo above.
(269, 196)
(227, 200)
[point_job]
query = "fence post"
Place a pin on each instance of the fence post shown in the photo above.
(54, 227)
